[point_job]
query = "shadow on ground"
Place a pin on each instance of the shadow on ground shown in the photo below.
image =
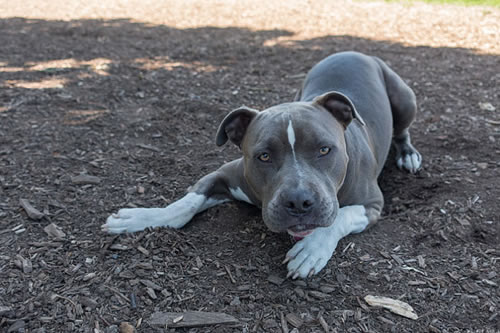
(137, 106)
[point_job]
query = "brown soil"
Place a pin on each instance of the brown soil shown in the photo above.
(132, 93)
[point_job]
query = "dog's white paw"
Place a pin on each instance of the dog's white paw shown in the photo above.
(133, 219)
(308, 256)
(410, 162)
(311, 254)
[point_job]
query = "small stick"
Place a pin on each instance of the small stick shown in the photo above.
(229, 273)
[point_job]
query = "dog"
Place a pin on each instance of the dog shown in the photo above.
(311, 164)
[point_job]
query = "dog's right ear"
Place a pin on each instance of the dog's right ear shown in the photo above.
(234, 126)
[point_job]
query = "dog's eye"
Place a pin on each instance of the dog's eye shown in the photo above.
(324, 151)
(264, 157)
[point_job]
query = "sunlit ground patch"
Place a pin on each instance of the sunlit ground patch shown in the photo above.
(167, 64)
(48, 83)
(80, 117)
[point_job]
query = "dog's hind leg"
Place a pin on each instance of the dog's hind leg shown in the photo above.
(404, 111)
(209, 191)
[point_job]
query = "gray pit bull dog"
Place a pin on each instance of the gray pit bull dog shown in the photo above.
(312, 164)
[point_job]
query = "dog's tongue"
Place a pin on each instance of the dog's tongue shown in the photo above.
(300, 231)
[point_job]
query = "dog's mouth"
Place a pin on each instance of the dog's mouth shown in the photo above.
(301, 230)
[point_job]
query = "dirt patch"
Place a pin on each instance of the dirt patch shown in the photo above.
(130, 96)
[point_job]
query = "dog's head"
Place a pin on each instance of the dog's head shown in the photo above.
(295, 159)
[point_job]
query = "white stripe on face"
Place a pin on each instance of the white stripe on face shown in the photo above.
(291, 137)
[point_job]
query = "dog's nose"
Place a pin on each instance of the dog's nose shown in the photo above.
(299, 202)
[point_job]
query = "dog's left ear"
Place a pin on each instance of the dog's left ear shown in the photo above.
(340, 106)
(235, 125)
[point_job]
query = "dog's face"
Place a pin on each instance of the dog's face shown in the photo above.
(295, 160)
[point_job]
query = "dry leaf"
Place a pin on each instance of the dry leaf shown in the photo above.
(393, 305)
(486, 106)
(126, 328)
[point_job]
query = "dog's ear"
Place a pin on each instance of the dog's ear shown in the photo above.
(234, 126)
(340, 106)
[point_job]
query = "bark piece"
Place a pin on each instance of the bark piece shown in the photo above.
(24, 264)
(119, 247)
(274, 279)
(4, 310)
(85, 179)
(18, 326)
(190, 319)
(54, 231)
(88, 302)
(32, 212)
(393, 305)
(294, 320)
(151, 284)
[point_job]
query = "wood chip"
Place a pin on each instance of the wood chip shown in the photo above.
(18, 326)
(143, 250)
(474, 263)
(395, 306)
(385, 255)
(294, 320)
(199, 263)
(151, 284)
(433, 329)
(190, 319)
(54, 231)
(284, 323)
(397, 259)
(274, 279)
(151, 293)
(32, 212)
(463, 222)
(89, 276)
(4, 310)
(421, 261)
(327, 288)
(85, 179)
(318, 294)
(489, 282)
(178, 319)
(88, 302)
(386, 320)
(24, 264)
(119, 247)
(133, 301)
(324, 324)
(417, 283)
(492, 122)
(149, 147)
(229, 273)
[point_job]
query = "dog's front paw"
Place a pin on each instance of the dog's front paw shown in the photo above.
(310, 255)
(132, 219)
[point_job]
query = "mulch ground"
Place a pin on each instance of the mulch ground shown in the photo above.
(115, 104)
